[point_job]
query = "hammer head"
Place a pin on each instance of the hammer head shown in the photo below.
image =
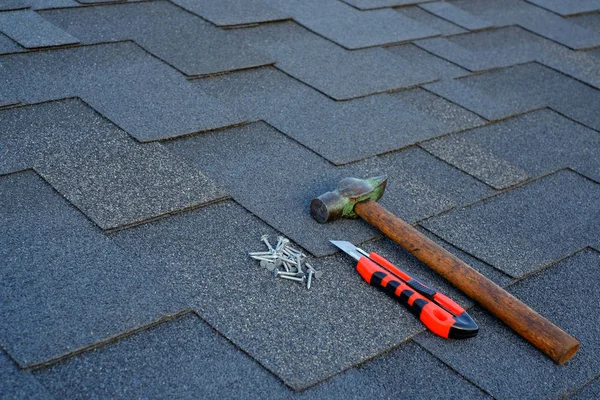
(340, 203)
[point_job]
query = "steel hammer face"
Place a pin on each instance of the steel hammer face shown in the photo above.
(340, 202)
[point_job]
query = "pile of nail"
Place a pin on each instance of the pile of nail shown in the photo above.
(286, 262)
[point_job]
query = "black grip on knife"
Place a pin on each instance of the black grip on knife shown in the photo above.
(427, 292)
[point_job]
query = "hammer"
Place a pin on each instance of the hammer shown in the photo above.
(358, 198)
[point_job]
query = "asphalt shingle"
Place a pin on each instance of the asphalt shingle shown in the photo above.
(30, 30)
(111, 178)
(65, 286)
(183, 358)
(13, 5)
(588, 21)
(350, 27)
(178, 358)
(232, 12)
(508, 367)
(8, 46)
(370, 4)
(18, 384)
(552, 142)
(529, 16)
(457, 15)
(324, 125)
(515, 90)
(255, 161)
(590, 391)
(426, 18)
(140, 94)
(508, 46)
(187, 42)
(341, 73)
(525, 229)
(568, 7)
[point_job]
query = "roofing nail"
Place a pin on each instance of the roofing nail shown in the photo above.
(265, 239)
(310, 274)
(291, 278)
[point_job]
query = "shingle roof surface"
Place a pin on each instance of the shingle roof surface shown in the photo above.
(145, 147)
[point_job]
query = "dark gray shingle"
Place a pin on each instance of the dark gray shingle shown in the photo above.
(19, 384)
(529, 227)
(185, 41)
(139, 93)
(30, 30)
(507, 366)
(65, 285)
(232, 12)
(110, 177)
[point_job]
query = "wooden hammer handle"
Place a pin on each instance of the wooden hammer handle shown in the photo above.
(543, 334)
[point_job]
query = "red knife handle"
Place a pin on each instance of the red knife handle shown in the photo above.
(434, 317)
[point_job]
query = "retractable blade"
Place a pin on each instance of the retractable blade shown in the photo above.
(437, 312)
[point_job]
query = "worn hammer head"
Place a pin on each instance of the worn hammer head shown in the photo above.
(340, 203)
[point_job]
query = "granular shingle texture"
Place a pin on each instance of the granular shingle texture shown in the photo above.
(504, 365)
(515, 90)
(552, 142)
(188, 43)
(30, 30)
(529, 227)
(136, 91)
(111, 178)
(65, 286)
(146, 145)
(19, 384)
(336, 129)
(519, 12)
(237, 158)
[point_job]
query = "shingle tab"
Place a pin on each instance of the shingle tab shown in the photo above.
(370, 4)
(568, 7)
(232, 12)
(529, 16)
(137, 92)
(8, 46)
(457, 15)
(13, 5)
(552, 142)
(529, 227)
(191, 360)
(185, 41)
(514, 90)
(255, 161)
(350, 27)
(111, 178)
(30, 30)
(64, 284)
(426, 18)
(341, 73)
(508, 367)
(508, 46)
(324, 125)
(590, 391)
(19, 384)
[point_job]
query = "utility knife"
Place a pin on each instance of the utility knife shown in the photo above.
(437, 312)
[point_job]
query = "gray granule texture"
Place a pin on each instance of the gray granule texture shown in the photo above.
(8, 46)
(136, 91)
(182, 358)
(190, 44)
(512, 45)
(30, 30)
(276, 179)
(350, 27)
(551, 141)
(341, 73)
(336, 130)
(19, 384)
(455, 14)
(110, 177)
(232, 12)
(508, 367)
(514, 90)
(371, 4)
(65, 286)
(529, 227)
(529, 16)
(565, 8)
(426, 18)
